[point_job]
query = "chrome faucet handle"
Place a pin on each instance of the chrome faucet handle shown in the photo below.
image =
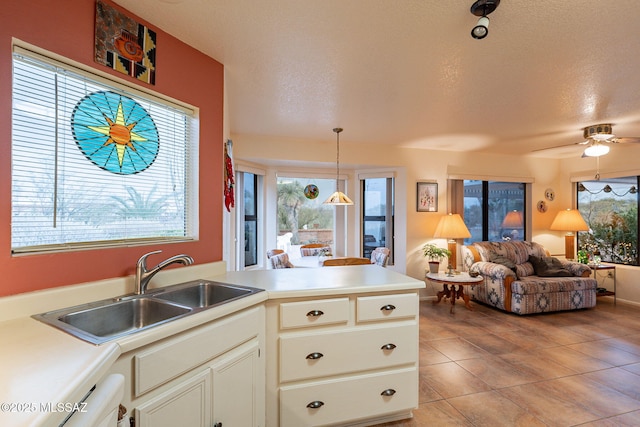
(142, 262)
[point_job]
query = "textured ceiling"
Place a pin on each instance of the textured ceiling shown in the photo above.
(408, 73)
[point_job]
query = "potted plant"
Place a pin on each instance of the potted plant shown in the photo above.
(435, 254)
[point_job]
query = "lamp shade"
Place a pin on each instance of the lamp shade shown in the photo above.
(569, 220)
(338, 198)
(513, 219)
(452, 227)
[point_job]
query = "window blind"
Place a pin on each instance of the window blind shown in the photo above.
(96, 182)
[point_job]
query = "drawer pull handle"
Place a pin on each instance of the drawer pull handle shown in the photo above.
(388, 347)
(388, 307)
(314, 356)
(315, 313)
(315, 404)
(388, 392)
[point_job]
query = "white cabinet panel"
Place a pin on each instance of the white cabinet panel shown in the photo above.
(349, 350)
(386, 307)
(238, 384)
(356, 397)
(314, 313)
(187, 404)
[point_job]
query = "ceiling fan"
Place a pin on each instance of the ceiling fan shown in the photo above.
(597, 140)
(597, 136)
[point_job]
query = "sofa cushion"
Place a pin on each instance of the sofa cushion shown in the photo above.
(548, 266)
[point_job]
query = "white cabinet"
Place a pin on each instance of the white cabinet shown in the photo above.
(341, 361)
(238, 386)
(200, 377)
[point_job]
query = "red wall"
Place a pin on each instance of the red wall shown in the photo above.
(66, 27)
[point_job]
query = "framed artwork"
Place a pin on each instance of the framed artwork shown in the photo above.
(427, 197)
(123, 44)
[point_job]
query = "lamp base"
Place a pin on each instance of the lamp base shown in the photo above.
(452, 246)
(569, 248)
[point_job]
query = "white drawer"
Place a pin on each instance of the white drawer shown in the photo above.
(175, 356)
(318, 354)
(314, 313)
(352, 398)
(383, 307)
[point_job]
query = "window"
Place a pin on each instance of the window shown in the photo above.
(96, 163)
(610, 208)
(249, 183)
(494, 210)
(302, 217)
(377, 215)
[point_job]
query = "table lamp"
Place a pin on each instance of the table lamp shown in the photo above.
(570, 221)
(452, 227)
(513, 220)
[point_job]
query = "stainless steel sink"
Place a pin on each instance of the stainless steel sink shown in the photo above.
(105, 320)
(123, 316)
(205, 294)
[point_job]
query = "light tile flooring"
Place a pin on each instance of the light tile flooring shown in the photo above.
(489, 368)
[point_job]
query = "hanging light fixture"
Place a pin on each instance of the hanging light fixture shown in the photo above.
(338, 198)
(596, 149)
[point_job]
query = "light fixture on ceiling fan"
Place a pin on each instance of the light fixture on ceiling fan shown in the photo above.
(482, 8)
(338, 198)
(599, 136)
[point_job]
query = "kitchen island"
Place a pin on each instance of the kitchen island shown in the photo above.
(348, 295)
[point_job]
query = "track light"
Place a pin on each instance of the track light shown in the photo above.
(482, 8)
(481, 29)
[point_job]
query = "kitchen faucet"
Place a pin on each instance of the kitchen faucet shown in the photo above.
(143, 275)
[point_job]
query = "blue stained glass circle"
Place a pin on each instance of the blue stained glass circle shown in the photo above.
(115, 132)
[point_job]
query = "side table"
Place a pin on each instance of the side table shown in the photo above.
(459, 279)
(608, 268)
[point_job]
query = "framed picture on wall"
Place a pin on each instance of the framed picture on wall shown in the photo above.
(427, 197)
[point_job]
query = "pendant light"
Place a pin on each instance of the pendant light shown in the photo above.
(338, 198)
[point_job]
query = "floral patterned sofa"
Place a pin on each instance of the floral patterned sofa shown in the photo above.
(511, 282)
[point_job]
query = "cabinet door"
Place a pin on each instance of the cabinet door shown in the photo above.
(186, 404)
(238, 387)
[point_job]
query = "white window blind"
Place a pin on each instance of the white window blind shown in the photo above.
(89, 185)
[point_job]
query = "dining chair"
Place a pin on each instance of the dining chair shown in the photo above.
(280, 261)
(314, 249)
(330, 262)
(380, 256)
(272, 252)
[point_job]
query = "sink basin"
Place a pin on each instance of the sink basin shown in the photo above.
(102, 321)
(123, 316)
(105, 320)
(205, 294)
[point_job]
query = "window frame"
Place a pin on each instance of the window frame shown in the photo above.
(108, 82)
(584, 238)
(388, 218)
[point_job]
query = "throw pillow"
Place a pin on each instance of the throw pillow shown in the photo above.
(549, 267)
(503, 260)
(525, 269)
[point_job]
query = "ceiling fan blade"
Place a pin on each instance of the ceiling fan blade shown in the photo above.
(624, 140)
(560, 146)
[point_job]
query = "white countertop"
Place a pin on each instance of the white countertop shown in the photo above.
(41, 364)
(297, 282)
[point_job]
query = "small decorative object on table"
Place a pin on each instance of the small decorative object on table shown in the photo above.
(435, 254)
(583, 257)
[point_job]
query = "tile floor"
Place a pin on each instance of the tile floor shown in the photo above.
(489, 368)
